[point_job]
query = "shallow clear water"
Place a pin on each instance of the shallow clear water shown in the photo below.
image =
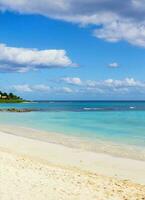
(121, 122)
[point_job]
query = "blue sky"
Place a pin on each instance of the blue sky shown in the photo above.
(46, 53)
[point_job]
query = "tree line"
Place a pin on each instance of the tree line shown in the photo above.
(9, 95)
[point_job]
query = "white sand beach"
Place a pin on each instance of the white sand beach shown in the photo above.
(33, 169)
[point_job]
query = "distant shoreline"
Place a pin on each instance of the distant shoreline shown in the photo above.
(12, 101)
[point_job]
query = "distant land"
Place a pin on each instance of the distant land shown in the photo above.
(10, 98)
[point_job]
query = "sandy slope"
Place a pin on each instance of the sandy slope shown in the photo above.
(25, 178)
(32, 169)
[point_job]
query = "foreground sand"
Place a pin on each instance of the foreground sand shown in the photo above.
(25, 178)
(32, 169)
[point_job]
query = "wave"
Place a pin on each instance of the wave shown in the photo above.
(93, 108)
(132, 107)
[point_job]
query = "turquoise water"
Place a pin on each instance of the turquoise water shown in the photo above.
(121, 122)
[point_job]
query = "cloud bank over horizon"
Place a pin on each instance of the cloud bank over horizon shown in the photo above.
(114, 20)
(107, 86)
(74, 85)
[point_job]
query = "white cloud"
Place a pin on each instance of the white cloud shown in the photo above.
(22, 88)
(113, 65)
(40, 88)
(127, 82)
(109, 85)
(114, 20)
(66, 90)
(95, 90)
(105, 87)
(33, 88)
(139, 4)
(90, 83)
(72, 80)
(116, 30)
(14, 59)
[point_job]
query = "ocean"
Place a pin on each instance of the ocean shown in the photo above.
(121, 122)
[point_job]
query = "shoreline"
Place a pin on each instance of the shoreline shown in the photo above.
(31, 169)
(96, 146)
(124, 168)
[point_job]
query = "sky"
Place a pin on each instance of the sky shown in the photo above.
(73, 49)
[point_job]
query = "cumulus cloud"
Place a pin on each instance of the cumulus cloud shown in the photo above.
(114, 20)
(109, 85)
(90, 83)
(40, 88)
(22, 88)
(33, 88)
(113, 65)
(72, 80)
(105, 87)
(127, 82)
(66, 90)
(14, 59)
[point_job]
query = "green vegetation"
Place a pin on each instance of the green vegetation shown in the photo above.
(10, 98)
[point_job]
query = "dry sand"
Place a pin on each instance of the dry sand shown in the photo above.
(32, 169)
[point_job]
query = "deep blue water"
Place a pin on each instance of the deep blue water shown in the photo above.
(80, 106)
(122, 122)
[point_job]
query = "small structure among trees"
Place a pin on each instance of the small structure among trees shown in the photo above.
(8, 97)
